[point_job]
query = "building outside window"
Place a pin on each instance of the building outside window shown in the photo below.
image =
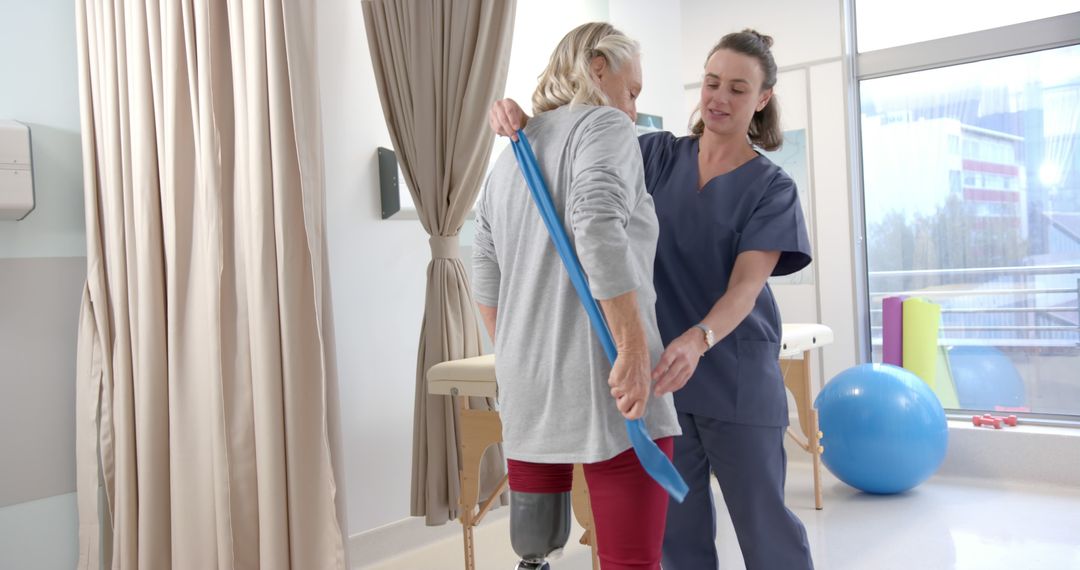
(971, 196)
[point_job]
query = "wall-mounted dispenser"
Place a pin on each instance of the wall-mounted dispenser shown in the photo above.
(389, 183)
(396, 201)
(16, 171)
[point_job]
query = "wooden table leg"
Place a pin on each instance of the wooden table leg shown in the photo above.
(579, 498)
(467, 538)
(797, 378)
(477, 430)
(816, 453)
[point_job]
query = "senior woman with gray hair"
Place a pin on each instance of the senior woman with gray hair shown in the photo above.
(561, 402)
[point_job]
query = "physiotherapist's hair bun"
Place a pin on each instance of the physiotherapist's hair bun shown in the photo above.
(766, 40)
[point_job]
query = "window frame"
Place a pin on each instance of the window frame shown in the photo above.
(1016, 39)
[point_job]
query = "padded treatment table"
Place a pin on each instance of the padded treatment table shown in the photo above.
(795, 346)
(480, 429)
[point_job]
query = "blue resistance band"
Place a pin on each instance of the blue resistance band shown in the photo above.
(656, 464)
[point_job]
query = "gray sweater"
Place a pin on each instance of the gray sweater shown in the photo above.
(554, 399)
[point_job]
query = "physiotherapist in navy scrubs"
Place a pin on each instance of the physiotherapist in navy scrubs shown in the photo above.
(729, 218)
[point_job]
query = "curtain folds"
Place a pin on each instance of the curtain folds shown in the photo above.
(439, 65)
(206, 388)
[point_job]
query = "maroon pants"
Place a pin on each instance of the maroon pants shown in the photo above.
(629, 508)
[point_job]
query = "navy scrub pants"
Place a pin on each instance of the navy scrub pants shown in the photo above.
(750, 464)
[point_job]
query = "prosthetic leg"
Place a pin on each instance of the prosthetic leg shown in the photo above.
(539, 527)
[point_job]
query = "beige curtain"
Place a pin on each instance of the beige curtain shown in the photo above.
(207, 396)
(439, 65)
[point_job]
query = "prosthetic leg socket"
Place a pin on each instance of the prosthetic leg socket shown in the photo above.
(539, 527)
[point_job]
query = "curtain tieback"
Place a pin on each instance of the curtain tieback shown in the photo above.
(444, 247)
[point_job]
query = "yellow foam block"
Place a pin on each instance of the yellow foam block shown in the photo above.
(922, 319)
(945, 386)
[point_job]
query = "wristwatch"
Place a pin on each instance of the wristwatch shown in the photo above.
(710, 340)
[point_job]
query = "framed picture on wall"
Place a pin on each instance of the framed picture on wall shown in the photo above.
(647, 123)
(793, 158)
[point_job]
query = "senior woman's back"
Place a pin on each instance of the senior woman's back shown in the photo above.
(552, 372)
(561, 401)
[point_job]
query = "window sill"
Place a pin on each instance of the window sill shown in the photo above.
(1026, 454)
(1036, 454)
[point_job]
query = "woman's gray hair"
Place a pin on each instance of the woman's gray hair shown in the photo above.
(568, 77)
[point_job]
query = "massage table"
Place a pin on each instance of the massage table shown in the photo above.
(480, 429)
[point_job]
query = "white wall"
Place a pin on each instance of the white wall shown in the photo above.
(42, 267)
(798, 302)
(804, 30)
(40, 535)
(39, 87)
(834, 240)
(654, 24)
(377, 272)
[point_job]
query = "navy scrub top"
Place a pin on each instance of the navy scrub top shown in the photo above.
(754, 207)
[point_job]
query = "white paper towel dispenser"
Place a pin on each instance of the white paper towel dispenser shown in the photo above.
(16, 171)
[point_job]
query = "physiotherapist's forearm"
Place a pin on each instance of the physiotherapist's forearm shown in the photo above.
(731, 309)
(751, 272)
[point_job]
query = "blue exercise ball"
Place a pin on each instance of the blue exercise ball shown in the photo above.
(986, 378)
(884, 430)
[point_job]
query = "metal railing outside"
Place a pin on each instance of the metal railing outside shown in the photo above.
(1010, 307)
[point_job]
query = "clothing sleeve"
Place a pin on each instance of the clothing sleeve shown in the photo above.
(605, 185)
(656, 150)
(777, 224)
(486, 273)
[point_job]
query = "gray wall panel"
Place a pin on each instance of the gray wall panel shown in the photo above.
(39, 312)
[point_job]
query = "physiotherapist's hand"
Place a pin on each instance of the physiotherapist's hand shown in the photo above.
(506, 117)
(678, 363)
(629, 381)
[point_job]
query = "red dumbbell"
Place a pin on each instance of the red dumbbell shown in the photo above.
(986, 421)
(1007, 420)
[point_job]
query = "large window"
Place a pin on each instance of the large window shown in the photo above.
(971, 194)
(886, 23)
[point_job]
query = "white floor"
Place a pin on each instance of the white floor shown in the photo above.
(943, 524)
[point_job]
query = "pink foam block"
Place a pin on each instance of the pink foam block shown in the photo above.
(892, 320)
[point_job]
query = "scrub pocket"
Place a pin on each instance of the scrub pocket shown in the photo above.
(762, 398)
